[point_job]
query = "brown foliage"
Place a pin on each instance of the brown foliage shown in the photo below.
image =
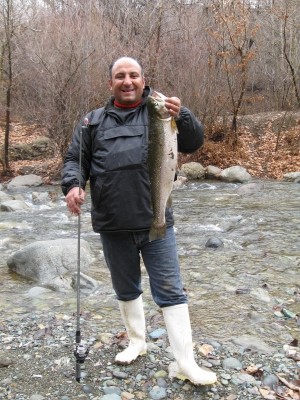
(255, 150)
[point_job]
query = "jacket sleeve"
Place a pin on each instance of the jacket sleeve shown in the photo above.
(70, 171)
(190, 131)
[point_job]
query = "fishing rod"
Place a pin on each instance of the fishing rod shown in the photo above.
(81, 350)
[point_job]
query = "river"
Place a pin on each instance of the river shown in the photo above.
(238, 288)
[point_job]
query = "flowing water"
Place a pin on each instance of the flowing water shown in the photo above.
(233, 290)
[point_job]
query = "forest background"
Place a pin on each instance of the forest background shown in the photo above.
(234, 63)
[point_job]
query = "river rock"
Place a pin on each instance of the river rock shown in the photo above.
(193, 170)
(180, 181)
(50, 263)
(4, 196)
(250, 188)
(87, 284)
(214, 243)
(232, 363)
(253, 343)
(25, 180)
(235, 174)
(292, 177)
(14, 205)
(212, 172)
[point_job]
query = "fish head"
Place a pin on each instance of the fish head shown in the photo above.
(156, 105)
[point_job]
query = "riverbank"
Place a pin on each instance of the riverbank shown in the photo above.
(268, 147)
(37, 363)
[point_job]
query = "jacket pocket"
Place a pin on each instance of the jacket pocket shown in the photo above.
(124, 147)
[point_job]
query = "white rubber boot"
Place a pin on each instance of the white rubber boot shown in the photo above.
(178, 325)
(134, 319)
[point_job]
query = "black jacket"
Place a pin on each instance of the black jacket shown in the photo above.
(114, 159)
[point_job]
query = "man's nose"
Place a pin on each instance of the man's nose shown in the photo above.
(127, 80)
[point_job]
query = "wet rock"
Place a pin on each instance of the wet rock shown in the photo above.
(25, 180)
(4, 196)
(180, 181)
(250, 188)
(235, 174)
(50, 262)
(40, 198)
(214, 243)
(261, 294)
(292, 177)
(38, 291)
(13, 205)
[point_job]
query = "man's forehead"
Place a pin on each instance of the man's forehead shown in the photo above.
(126, 64)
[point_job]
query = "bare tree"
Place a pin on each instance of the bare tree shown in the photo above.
(235, 36)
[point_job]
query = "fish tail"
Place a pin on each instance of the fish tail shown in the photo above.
(157, 232)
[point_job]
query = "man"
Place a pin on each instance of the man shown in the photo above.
(114, 159)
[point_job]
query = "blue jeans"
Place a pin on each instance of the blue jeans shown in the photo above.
(122, 252)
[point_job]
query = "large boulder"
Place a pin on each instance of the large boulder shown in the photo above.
(13, 205)
(235, 174)
(25, 180)
(193, 170)
(50, 263)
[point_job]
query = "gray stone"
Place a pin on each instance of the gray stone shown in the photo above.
(4, 196)
(212, 172)
(193, 170)
(232, 363)
(51, 262)
(214, 243)
(250, 188)
(249, 342)
(157, 333)
(158, 393)
(14, 205)
(25, 180)
(292, 177)
(112, 396)
(235, 174)
(270, 380)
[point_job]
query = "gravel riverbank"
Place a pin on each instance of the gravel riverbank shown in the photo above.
(37, 363)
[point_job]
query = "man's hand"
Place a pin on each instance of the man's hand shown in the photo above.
(173, 105)
(74, 199)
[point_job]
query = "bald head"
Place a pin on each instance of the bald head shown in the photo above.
(122, 60)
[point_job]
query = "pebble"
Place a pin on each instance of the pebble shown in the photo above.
(232, 363)
(158, 393)
(51, 366)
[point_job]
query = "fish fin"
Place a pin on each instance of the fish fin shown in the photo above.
(157, 232)
(174, 126)
(169, 202)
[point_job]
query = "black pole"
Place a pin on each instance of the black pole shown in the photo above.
(81, 351)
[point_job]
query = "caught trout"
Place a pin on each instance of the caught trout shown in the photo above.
(162, 161)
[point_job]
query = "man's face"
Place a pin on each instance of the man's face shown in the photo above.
(127, 83)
